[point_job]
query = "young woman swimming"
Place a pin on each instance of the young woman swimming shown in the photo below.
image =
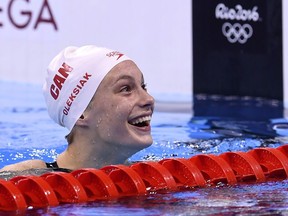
(100, 96)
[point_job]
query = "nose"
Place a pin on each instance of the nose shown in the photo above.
(147, 100)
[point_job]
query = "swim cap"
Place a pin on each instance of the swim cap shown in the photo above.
(72, 79)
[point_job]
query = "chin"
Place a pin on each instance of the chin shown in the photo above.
(145, 143)
(140, 144)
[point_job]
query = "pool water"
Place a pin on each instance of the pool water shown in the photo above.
(217, 124)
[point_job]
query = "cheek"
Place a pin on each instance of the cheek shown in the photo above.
(112, 115)
(113, 111)
(122, 110)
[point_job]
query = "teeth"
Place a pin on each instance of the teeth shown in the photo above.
(140, 120)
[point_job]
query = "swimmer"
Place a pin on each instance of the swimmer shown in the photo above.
(100, 96)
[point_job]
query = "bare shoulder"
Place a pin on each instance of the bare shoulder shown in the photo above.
(25, 165)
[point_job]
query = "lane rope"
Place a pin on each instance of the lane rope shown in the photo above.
(142, 178)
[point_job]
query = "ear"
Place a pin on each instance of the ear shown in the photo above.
(82, 121)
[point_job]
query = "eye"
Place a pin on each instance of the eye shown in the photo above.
(126, 89)
(144, 86)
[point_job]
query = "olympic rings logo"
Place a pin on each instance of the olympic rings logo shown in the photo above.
(237, 32)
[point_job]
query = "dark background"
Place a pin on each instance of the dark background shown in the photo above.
(253, 68)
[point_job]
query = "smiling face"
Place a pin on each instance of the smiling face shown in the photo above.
(121, 109)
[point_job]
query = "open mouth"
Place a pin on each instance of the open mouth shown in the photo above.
(141, 122)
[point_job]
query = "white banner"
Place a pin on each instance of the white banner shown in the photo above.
(156, 34)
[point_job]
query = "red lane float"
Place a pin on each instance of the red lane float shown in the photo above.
(127, 181)
(185, 173)
(155, 176)
(273, 162)
(97, 184)
(67, 188)
(245, 167)
(214, 168)
(110, 182)
(36, 191)
(11, 198)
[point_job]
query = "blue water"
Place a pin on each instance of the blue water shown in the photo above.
(27, 132)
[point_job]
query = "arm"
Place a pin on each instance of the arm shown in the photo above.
(25, 165)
